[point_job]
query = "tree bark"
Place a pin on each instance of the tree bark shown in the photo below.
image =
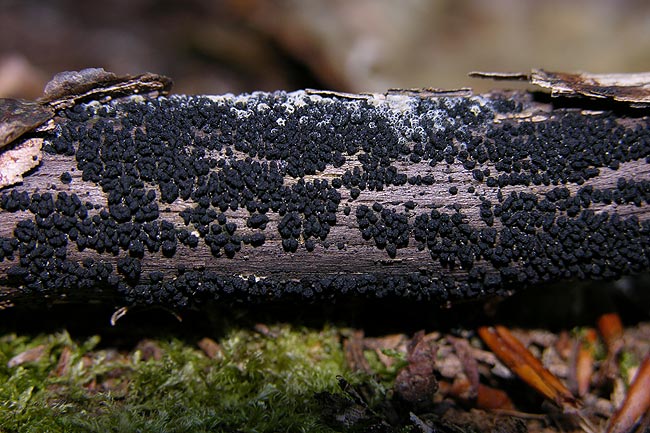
(427, 195)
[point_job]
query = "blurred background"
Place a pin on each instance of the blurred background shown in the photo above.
(218, 46)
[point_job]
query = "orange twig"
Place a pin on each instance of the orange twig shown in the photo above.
(611, 329)
(524, 364)
(584, 362)
(636, 403)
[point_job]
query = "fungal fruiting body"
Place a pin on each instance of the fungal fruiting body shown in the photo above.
(297, 195)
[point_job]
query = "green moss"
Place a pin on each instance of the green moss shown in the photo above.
(628, 362)
(383, 373)
(259, 383)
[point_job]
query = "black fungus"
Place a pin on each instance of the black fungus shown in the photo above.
(66, 177)
(257, 160)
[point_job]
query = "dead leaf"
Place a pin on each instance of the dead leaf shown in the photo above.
(149, 350)
(266, 331)
(353, 348)
(563, 345)
(63, 366)
(489, 398)
(28, 356)
(416, 382)
(470, 366)
(210, 347)
(394, 342)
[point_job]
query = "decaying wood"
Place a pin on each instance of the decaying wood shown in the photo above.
(477, 194)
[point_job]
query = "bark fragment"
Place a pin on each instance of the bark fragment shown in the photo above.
(632, 88)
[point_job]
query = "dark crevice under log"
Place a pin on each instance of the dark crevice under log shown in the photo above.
(316, 195)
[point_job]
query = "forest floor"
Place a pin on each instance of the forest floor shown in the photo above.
(364, 367)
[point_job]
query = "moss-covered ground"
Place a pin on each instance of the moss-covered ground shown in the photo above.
(283, 369)
(256, 382)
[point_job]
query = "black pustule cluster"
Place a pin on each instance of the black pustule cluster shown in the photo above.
(261, 155)
(389, 229)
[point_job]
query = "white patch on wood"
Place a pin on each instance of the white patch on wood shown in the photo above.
(19, 160)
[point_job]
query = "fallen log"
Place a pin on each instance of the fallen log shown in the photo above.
(132, 197)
